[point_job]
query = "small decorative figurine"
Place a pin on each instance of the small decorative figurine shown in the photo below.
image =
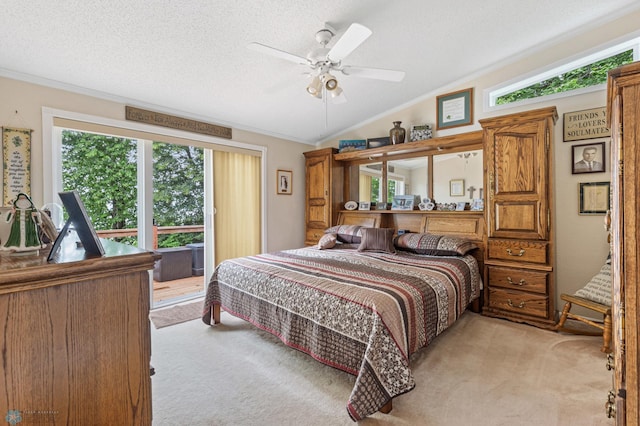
(25, 220)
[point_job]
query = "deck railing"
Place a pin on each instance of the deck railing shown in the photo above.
(157, 230)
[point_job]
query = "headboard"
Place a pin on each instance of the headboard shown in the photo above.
(465, 224)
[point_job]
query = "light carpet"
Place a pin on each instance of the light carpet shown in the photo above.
(176, 314)
(482, 371)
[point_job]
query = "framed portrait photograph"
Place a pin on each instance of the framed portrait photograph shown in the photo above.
(594, 197)
(454, 109)
(364, 205)
(588, 158)
(284, 181)
(456, 187)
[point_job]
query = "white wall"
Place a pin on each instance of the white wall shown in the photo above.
(581, 241)
(21, 106)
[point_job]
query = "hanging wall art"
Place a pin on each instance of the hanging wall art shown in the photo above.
(16, 163)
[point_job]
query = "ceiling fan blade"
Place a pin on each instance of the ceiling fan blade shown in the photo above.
(258, 47)
(375, 73)
(355, 35)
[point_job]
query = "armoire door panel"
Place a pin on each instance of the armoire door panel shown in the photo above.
(318, 216)
(518, 150)
(317, 179)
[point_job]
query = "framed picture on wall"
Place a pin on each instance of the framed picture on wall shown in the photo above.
(594, 197)
(454, 109)
(588, 158)
(456, 187)
(284, 182)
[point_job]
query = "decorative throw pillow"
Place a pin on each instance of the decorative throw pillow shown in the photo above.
(434, 245)
(346, 233)
(377, 239)
(327, 241)
(599, 288)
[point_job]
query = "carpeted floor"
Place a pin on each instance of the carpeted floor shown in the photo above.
(482, 371)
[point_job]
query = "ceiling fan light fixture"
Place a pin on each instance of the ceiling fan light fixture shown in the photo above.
(337, 96)
(329, 81)
(315, 87)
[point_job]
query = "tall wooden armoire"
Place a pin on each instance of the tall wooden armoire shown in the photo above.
(324, 189)
(519, 262)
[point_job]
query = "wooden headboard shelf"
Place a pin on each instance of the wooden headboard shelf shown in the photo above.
(464, 224)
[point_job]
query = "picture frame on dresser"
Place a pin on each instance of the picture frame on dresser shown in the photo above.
(381, 206)
(403, 202)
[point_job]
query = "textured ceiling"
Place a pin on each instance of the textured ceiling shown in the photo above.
(190, 58)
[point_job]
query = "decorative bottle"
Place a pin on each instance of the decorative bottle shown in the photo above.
(397, 134)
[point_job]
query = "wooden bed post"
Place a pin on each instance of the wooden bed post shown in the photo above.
(216, 314)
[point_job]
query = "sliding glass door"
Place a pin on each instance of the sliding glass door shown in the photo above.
(199, 203)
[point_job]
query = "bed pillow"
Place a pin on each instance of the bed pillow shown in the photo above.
(598, 289)
(377, 239)
(434, 245)
(327, 241)
(346, 233)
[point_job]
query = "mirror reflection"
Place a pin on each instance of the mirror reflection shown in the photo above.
(456, 177)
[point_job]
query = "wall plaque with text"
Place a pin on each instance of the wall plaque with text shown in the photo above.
(586, 124)
(173, 122)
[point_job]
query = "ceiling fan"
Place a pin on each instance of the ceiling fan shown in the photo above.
(324, 61)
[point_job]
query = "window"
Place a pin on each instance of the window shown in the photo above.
(586, 73)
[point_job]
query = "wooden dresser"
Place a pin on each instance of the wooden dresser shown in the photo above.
(623, 108)
(324, 192)
(76, 345)
(519, 279)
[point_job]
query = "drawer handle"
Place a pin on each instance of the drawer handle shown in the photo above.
(611, 363)
(610, 406)
(520, 305)
(520, 253)
(521, 282)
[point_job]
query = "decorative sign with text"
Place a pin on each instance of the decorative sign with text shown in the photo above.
(586, 124)
(179, 123)
(16, 163)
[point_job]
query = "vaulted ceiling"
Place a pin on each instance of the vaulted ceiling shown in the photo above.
(190, 58)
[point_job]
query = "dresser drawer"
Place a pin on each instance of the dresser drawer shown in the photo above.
(519, 250)
(518, 279)
(519, 302)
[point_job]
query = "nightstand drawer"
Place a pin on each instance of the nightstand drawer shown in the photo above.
(518, 279)
(519, 302)
(519, 250)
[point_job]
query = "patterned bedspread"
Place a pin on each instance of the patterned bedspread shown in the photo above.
(362, 312)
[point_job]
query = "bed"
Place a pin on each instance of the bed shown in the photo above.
(360, 306)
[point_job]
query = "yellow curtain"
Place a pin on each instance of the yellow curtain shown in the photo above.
(365, 187)
(237, 203)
